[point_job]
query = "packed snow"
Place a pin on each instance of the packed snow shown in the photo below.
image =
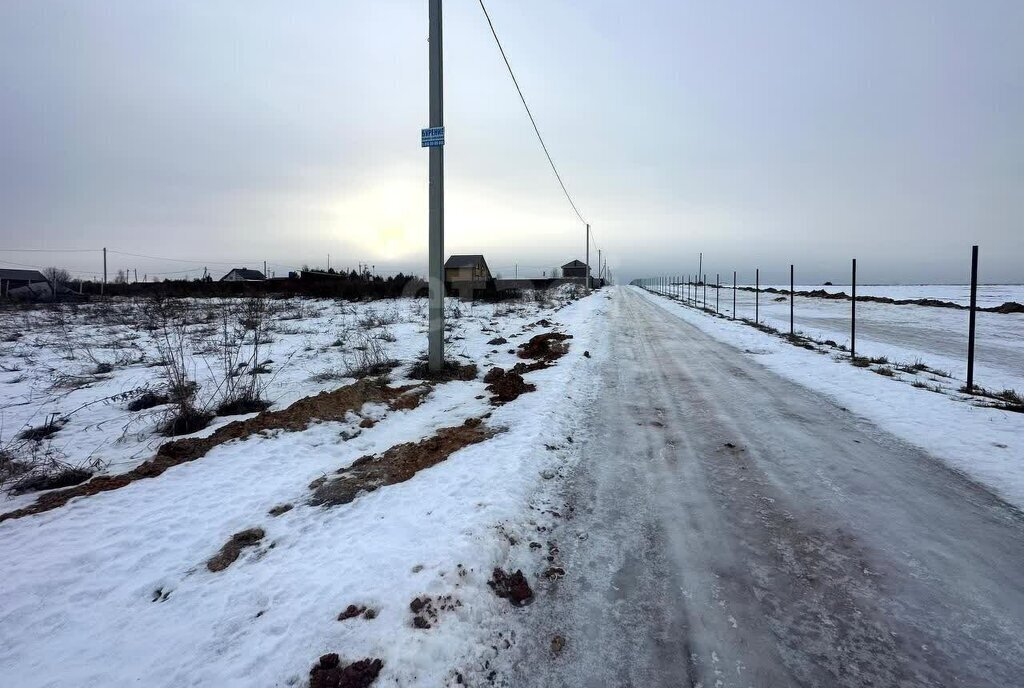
(112, 589)
(984, 443)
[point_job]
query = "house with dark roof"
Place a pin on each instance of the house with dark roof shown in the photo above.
(575, 269)
(17, 279)
(243, 275)
(463, 270)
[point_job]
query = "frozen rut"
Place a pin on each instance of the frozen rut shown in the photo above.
(734, 529)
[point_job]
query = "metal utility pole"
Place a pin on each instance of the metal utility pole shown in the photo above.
(103, 286)
(588, 258)
(435, 252)
(598, 263)
(700, 265)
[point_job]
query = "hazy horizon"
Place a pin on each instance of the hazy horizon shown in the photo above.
(232, 133)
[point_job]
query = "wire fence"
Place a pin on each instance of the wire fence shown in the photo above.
(966, 339)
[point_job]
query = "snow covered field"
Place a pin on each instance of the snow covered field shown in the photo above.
(112, 589)
(986, 444)
(904, 333)
(989, 295)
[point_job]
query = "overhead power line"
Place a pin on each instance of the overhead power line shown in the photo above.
(530, 114)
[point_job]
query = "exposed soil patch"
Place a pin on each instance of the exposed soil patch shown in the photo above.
(449, 371)
(326, 406)
(425, 611)
(353, 610)
(233, 548)
(397, 464)
(280, 509)
(512, 586)
(329, 673)
(545, 347)
(506, 386)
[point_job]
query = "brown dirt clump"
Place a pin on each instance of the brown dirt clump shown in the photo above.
(354, 610)
(326, 406)
(548, 346)
(426, 610)
(280, 509)
(449, 371)
(398, 464)
(328, 673)
(494, 374)
(508, 386)
(233, 548)
(512, 586)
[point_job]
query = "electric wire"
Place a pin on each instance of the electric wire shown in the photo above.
(530, 114)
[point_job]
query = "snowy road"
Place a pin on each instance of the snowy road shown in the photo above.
(732, 528)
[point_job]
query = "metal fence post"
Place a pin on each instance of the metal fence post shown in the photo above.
(718, 288)
(733, 294)
(704, 284)
(970, 332)
(853, 312)
(757, 294)
(791, 300)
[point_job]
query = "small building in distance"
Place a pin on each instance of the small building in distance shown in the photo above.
(243, 275)
(19, 282)
(12, 279)
(575, 269)
(466, 272)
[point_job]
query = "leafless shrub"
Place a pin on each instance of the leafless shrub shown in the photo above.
(368, 357)
(31, 466)
(171, 335)
(379, 317)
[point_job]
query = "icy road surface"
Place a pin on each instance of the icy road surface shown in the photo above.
(735, 529)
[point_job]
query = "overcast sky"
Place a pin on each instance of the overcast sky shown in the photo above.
(761, 133)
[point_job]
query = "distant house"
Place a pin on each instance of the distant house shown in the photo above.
(243, 275)
(574, 269)
(17, 280)
(466, 271)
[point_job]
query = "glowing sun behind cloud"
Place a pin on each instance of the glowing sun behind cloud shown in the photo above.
(384, 221)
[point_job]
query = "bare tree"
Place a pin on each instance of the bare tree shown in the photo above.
(57, 278)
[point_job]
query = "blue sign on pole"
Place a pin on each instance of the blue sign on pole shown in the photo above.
(432, 137)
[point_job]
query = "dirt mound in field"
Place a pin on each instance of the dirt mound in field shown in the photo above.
(450, 370)
(397, 464)
(328, 673)
(1008, 307)
(233, 548)
(326, 406)
(548, 346)
(506, 386)
(512, 586)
